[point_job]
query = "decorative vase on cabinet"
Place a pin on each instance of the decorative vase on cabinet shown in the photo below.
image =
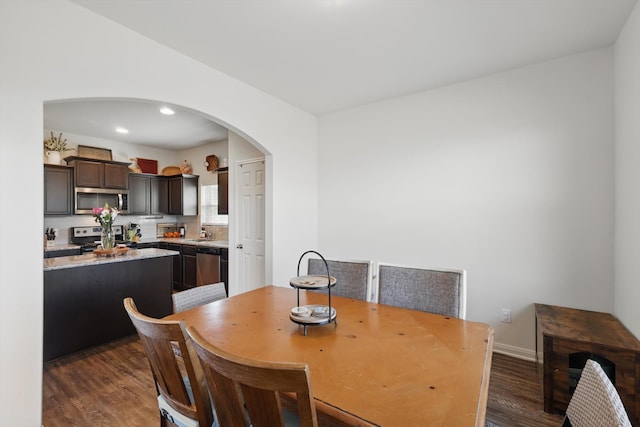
(53, 157)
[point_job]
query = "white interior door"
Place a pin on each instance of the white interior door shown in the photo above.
(250, 185)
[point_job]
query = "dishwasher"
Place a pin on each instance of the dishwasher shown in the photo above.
(208, 266)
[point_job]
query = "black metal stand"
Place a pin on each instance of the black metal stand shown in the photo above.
(295, 284)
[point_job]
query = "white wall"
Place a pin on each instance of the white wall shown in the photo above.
(509, 177)
(627, 178)
(196, 157)
(120, 151)
(89, 56)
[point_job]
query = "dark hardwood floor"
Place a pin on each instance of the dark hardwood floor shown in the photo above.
(111, 386)
(515, 396)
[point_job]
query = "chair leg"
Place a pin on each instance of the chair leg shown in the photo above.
(164, 422)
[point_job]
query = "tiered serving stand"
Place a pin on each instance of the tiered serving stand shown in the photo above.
(313, 315)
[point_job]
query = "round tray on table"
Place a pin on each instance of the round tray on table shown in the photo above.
(312, 282)
(312, 314)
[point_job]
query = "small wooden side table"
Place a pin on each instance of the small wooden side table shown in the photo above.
(562, 332)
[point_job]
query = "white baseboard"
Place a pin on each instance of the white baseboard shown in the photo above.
(517, 352)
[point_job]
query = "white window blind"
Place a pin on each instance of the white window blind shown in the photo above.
(209, 206)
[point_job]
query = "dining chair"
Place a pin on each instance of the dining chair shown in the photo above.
(183, 397)
(436, 291)
(197, 296)
(595, 401)
(353, 278)
(246, 392)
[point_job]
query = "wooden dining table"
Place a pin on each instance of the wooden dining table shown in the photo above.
(387, 365)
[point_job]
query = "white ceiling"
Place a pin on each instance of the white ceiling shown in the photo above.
(327, 55)
(146, 125)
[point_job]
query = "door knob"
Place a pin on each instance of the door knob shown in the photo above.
(239, 246)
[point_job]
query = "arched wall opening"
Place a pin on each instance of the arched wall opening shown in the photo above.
(96, 58)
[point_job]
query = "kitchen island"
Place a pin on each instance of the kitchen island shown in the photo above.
(83, 296)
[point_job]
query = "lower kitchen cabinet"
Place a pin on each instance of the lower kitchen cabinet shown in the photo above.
(155, 245)
(189, 267)
(185, 265)
(62, 252)
(224, 268)
(177, 265)
(83, 305)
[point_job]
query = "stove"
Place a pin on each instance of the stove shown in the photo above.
(89, 237)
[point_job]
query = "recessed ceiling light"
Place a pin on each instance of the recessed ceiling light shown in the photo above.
(168, 111)
(122, 130)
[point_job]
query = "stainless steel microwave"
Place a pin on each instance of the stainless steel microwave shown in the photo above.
(88, 198)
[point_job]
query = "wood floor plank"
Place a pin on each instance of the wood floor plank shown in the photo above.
(111, 386)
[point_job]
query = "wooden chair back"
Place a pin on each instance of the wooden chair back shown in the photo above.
(161, 340)
(436, 291)
(353, 278)
(247, 392)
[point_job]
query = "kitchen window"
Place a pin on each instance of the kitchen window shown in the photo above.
(209, 206)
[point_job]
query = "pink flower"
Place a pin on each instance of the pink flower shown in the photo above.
(106, 215)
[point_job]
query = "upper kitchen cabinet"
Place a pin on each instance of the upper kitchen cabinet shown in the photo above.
(58, 190)
(148, 194)
(223, 191)
(159, 200)
(183, 195)
(139, 194)
(100, 173)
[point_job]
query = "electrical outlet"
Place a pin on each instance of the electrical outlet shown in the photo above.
(506, 315)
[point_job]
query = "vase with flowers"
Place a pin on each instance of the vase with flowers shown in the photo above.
(54, 146)
(105, 217)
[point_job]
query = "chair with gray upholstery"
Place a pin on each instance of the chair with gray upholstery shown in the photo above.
(595, 402)
(432, 290)
(198, 296)
(353, 278)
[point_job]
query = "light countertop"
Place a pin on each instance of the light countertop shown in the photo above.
(175, 240)
(93, 259)
(61, 247)
(189, 241)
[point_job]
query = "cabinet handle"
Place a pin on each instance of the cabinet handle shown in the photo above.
(239, 246)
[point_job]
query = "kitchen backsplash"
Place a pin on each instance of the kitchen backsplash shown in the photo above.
(147, 225)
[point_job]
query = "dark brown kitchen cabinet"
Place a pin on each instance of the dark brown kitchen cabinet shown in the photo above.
(177, 264)
(183, 195)
(62, 252)
(147, 245)
(148, 194)
(159, 200)
(99, 173)
(223, 191)
(82, 306)
(189, 267)
(139, 194)
(58, 190)
(224, 268)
